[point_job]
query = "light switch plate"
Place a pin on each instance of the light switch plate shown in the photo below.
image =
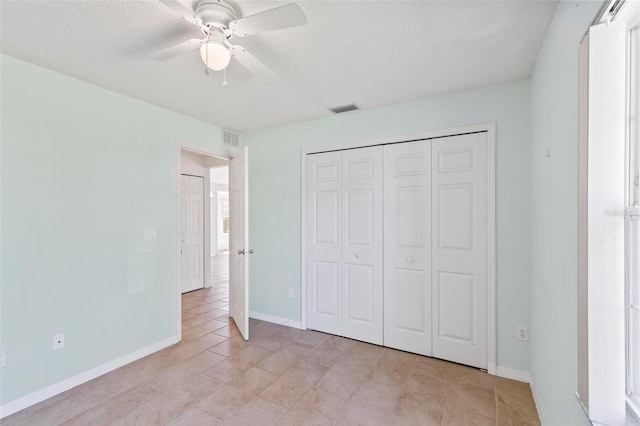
(151, 234)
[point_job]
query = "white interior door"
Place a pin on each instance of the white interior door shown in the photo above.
(362, 247)
(324, 251)
(191, 233)
(407, 246)
(184, 234)
(239, 241)
(459, 248)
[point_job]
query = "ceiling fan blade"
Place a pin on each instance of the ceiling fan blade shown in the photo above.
(182, 8)
(251, 63)
(281, 17)
(176, 50)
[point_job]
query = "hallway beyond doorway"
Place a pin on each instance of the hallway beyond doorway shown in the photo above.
(207, 310)
(220, 271)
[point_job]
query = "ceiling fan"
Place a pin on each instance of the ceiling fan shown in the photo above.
(220, 20)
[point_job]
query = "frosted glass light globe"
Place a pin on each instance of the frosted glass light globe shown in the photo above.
(215, 55)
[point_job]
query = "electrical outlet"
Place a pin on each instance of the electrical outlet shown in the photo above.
(522, 333)
(290, 293)
(58, 341)
(3, 359)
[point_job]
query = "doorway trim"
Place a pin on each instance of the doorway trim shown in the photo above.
(490, 128)
(182, 145)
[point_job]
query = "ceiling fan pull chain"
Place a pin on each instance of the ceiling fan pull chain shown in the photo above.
(206, 53)
(224, 78)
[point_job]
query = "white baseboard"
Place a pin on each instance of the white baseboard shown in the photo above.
(276, 320)
(513, 374)
(57, 388)
(537, 402)
(526, 377)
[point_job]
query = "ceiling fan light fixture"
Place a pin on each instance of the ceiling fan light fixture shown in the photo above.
(215, 55)
(219, 20)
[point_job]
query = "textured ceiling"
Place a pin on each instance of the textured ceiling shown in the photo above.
(371, 53)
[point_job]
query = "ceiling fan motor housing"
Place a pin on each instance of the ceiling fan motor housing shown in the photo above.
(216, 13)
(220, 20)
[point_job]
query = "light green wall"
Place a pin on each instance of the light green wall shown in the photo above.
(554, 92)
(274, 181)
(84, 171)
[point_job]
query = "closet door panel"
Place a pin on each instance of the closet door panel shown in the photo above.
(407, 251)
(326, 290)
(360, 293)
(359, 204)
(324, 295)
(459, 247)
(362, 249)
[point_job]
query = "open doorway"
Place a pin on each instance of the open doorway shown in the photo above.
(203, 237)
(219, 227)
(212, 242)
(220, 222)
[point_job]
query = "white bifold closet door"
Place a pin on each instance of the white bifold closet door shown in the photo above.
(324, 242)
(397, 246)
(459, 248)
(362, 246)
(407, 247)
(344, 250)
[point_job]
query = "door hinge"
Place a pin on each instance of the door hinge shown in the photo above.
(633, 212)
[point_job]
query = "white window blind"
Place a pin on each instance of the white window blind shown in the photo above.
(602, 202)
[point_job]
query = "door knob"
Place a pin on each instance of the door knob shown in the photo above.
(250, 251)
(240, 251)
(358, 256)
(409, 259)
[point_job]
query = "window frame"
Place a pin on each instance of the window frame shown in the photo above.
(632, 233)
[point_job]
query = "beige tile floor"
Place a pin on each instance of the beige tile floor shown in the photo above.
(281, 376)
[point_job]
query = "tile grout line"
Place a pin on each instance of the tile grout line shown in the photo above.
(446, 398)
(495, 399)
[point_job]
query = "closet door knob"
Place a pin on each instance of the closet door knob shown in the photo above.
(358, 256)
(409, 259)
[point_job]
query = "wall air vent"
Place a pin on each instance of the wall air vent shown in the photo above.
(344, 108)
(230, 138)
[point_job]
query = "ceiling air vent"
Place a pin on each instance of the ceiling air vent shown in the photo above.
(344, 108)
(230, 139)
